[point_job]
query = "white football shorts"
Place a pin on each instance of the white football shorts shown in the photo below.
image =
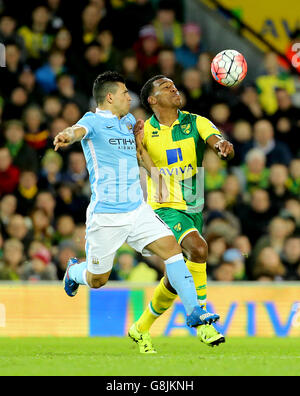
(107, 232)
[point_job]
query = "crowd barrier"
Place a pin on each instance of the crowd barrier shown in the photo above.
(246, 310)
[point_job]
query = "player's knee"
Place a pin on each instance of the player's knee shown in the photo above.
(96, 283)
(199, 253)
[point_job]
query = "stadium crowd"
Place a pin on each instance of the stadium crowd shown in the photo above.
(252, 210)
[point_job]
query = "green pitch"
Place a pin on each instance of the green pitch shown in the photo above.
(177, 356)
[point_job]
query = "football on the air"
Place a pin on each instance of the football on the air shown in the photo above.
(229, 68)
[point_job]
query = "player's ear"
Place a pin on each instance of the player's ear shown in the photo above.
(152, 100)
(109, 98)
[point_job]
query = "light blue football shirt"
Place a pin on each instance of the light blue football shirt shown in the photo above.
(110, 152)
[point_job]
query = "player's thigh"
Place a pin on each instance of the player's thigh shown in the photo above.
(150, 233)
(102, 242)
(165, 247)
(179, 222)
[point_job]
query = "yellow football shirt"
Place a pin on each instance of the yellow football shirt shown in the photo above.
(177, 152)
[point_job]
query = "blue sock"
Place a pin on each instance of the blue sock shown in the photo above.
(77, 273)
(182, 281)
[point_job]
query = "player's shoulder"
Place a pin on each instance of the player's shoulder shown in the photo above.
(89, 115)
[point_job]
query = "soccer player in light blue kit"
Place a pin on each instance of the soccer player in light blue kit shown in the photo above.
(117, 212)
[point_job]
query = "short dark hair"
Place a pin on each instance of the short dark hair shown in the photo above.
(105, 83)
(147, 91)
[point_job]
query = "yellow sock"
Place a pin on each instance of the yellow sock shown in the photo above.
(162, 299)
(198, 271)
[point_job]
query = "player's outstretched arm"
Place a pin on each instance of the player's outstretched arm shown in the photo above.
(68, 136)
(223, 148)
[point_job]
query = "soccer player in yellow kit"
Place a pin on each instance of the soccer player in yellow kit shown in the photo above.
(176, 140)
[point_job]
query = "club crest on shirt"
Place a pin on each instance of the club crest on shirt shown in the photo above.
(178, 227)
(186, 129)
(95, 260)
(129, 126)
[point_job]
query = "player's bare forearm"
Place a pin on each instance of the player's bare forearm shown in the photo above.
(68, 136)
(223, 148)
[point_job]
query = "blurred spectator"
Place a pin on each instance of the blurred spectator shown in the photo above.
(89, 67)
(168, 29)
(23, 156)
(253, 173)
(268, 266)
(286, 120)
(8, 207)
(36, 134)
(255, 216)
(52, 108)
(131, 71)
(127, 268)
(240, 136)
(235, 257)
(90, 19)
(242, 243)
(290, 258)
(66, 250)
(9, 173)
(217, 246)
(167, 66)
(67, 92)
(220, 115)
(224, 272)
(79, 240)
(47, 74)
(14, 106)
(39, 267)
(232, 191)
(292, 206)
(188, 54)
(26, 192)
(10, 265)
(36, 37)
(216, 207)
(111, 56)
(28, 82)
(8, 33)
(196, 99)
(65, 227)
(42, 229)
(71, 113)
(140, 11)
(278, 188)
(50, 173)
(45, 200)
(70, 202)
(146, 48)
(273, 77)
(204, 66)
(13, 69)
(275, 237)
(276, 152)
(215, 172)
(293, 182)
(76, 172)
(249, 107)
(19, 228)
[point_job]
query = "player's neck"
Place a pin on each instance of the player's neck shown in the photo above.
(104, 107)
(166, 116)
